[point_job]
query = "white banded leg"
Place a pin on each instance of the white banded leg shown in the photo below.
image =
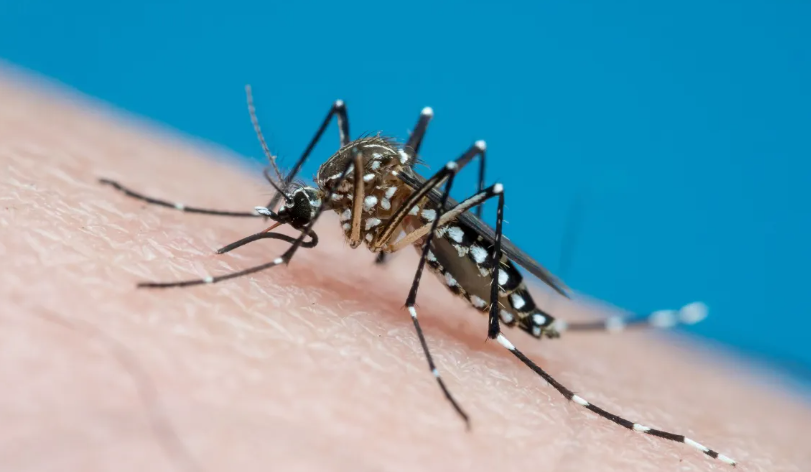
(176, 205)
(283, 259)
(568, 394)
(452, 168)
(687, 315)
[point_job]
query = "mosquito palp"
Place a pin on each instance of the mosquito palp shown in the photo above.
(370, 182)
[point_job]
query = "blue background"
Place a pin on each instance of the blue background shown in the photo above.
(682, 129)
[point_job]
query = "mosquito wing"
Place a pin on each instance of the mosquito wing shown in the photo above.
(415, 181)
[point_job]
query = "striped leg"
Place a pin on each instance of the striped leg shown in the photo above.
(412, 147)
(662, 319)
(283, 259)
(338, 110)
(175, 205)
(450, 171)
(605, 414)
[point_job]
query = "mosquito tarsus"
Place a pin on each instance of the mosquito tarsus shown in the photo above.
(371, 183)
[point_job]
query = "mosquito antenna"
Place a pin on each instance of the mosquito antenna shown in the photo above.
(258, 129)
(273, 183)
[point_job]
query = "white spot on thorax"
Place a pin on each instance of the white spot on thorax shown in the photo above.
(385, 204)
(371, 223)
(428, 215)
(375, 164)
(390, 192)
(369, 202)
(414, 210)
(368, 177)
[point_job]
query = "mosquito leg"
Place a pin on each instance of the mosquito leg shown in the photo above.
(569, 395)
(452, 168)
(387, 231)
(176, 206)
(662, 319)
(283, 259)
(339, 111)
(494, 332)
(265, 235)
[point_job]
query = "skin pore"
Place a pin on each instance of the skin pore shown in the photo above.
(313, 366)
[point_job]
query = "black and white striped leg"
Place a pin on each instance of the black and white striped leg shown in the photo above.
(452, 168)
(268, 235)
(687, 315)
(283, 259)
(338, 110)
(392, 225)
(568, 394)
(175, 205)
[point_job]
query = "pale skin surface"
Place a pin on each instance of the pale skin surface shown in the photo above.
(314, 366)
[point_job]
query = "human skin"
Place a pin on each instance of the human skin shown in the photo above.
(311, 366)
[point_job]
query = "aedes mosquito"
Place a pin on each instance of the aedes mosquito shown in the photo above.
(371, 183)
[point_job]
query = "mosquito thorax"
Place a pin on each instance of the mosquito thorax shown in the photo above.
(382, 192)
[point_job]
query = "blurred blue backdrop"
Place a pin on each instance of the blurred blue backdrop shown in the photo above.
(683, 127)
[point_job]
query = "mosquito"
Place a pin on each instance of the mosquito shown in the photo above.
(383, 203)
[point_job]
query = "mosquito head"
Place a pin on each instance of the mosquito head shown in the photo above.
(300, 207)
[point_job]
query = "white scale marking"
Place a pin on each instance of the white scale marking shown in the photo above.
(428, 214)
(641, 428)
(209, 280)
(481, 145)
(435, 372)
(579, 400)
(517, 301)
(371, 223)
(369, 202)
(346, 226)
(368, 178)
(727, 460)
(413, 312)
(414, 210)
(403, 156)
(346, 215)
(479, 254)
(538, 319)
(368, 237)
(615, 324)
(431, 257)
(180, 206)
(278, 260)
(505, 342)
(477, 302)
(506, 316)
(693, 313)
(696, 445)
(450, 280)
(498, 188)
(663, 318)
(390, 192)
(503, 277)
(456, 233)
(428, 111)
(385, 204)
(375, 164)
